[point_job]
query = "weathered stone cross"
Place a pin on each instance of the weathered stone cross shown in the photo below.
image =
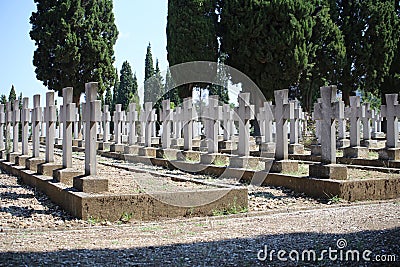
(245, 112)
(68, 117)
(118, 117)
(16, 117)
(283, 112)
(391, 111)
(36, 122)
(327, 112)
(355, 113)
(213, 114)
(50, 118)
(2, 122)
(106, 123)
(132, 118)
(167, 115)
(25, 124)
(189, 114)
(150, 118)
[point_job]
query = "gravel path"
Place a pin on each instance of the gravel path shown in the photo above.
(33, 231)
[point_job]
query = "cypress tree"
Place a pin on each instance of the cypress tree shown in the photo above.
(126, 86)
(222, 78)
(115, 91)
(191, 35)
(75, 44)
(148, 73)
(171, 92)
(3, 99)
(108, 100)
(12, 96)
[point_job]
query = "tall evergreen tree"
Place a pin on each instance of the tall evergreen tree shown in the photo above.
(371, 31)
(171, 92)
(3, 99)
(115, 91)
(148, 73)
(12, 96)
(222, 78)
(134, 96)
(75, 44)
(108, 100)
(191, 36)
(126, 86)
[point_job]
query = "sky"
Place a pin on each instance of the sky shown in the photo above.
(138, 23)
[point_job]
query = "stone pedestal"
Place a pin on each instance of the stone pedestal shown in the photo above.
(119, 148)
(329, 171)
(370, 143)
(132, 150)
(282, 166)
(356, 152)
(214, 158)
(81, 143)
(378, 135)
(155, 141)
(58, 141)
(316, 150)
(47, 169)
(167, 153)
(21, 160)
(11, 156)
(75, 142)
(296, 149)
(105, 146)
(32, 163)
(227, 145)
(389, 153)
(66, 176)
(147, 152)
(42, 139)
(90, 184)
(342, 143)
(189, 155)
(196, 142)
(244, 162)
(177, 142)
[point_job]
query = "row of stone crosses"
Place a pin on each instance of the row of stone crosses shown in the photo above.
(132, 130)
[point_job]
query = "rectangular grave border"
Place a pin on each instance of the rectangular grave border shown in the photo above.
(351, 190)
(141, 206)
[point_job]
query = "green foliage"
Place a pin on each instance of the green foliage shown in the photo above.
(126, 87)
(371, 99)
(108, 100)
(3, 99)
(126, 217)
(74, 41)
(148, 73)
(220, 88)
(170, 90)
(12, 96)
(153, 86)
(115, 91)
(371, 34)
(191, 35)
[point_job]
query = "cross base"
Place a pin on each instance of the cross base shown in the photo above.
(316, 150)
(214, 158)
(90, 184)
(11, 156)
(281, 166)
(47, 169)
(132, 149)
(104, 145)
(147, 152)
(389, 154)
(21, 160)
(296, 149)
(119, 148)
(32, 163)
(66, 176)
(244, 162)
(342, 143)
(167, 153)
(329, 171)
(356, 152)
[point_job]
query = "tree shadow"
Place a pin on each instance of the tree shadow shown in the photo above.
(232, 252)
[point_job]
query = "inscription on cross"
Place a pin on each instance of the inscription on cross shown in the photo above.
(132, 118)
(92, 117)
(36, 121)
(25, 118)
(283, 112)
(50, 118)
(167, 116)
(245, 111)
(16, 118)
(189, 115)
(213, 114)
(2, 122)
(68, 116)
(391, 111)
(327, 112)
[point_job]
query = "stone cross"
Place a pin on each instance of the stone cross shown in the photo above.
(376, 122)
(366, 120)
(245, 112)
(61, 122)
(327, 112)
(213, 114)
(283, 112)
(50, 118)
(25, 118)
(261, 123)
(76, 124)
(106, 117)
(118, 117)
(391, 111)
(167, 115)
(189, 114)
(132, 118)
(69, 117)
(294, 122)
(318, 124)
(9, 115)
(149, 118)
(36, 122)
(177, 122)
(83, 121)
(355, 113)
(92, 117)
(228, 121)
(16, 118)
(2, 122)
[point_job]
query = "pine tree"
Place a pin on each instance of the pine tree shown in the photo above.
(75, 44)
(126, 86)
(148, 73)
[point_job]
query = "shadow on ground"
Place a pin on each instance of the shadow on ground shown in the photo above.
(232, 252)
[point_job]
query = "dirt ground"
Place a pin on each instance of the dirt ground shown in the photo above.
(34, 231)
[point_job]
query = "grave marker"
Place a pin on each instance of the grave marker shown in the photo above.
(2, 122)
(25, 124)
(50, 118)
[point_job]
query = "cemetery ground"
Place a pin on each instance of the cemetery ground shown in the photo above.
(34, 231)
